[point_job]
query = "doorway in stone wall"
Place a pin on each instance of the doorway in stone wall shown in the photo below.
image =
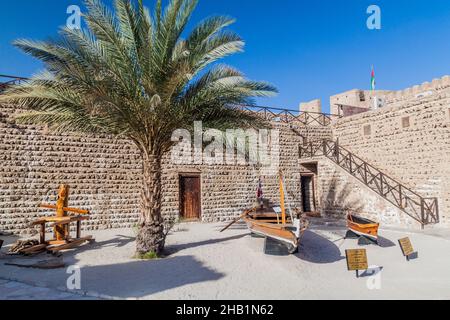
(190, 197)
(308, 187)
(307, 182)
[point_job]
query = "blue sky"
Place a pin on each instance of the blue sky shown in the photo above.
(308, 49)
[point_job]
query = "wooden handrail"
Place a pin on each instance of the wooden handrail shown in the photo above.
(12, 80)
(290, 116)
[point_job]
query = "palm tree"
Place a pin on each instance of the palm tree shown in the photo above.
(130, 74)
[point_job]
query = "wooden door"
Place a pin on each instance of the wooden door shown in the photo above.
(190, 201)
(307, 193)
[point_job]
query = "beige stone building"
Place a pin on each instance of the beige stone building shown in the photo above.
(386, 156)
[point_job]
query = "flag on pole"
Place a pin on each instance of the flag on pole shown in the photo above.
(372, 81)
(259, 191)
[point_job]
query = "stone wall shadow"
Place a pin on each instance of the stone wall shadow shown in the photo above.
(133, 279)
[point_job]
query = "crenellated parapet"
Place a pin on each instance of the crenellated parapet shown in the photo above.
(419, 91)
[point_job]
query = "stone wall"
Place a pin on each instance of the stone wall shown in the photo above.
(228, 190)
(409, 140)
(340, 194)
(104, 175)
(419, 91)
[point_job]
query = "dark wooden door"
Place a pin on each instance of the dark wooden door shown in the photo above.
(307, 190)
(190, 201)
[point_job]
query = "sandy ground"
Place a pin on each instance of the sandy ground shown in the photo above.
(13, 290)
(206, 264)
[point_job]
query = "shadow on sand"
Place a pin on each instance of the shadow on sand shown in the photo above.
(131, 279)
(172, 249)
(385, 243)
(236, 226)
(317, 249)
(138, 279)
(8, 240)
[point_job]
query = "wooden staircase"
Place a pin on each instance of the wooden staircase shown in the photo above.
(423, 210)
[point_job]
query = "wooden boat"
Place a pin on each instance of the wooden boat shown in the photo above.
(273, 223)
(287, 233)
(363, 227)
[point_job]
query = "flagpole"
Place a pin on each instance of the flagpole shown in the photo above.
(373, 84)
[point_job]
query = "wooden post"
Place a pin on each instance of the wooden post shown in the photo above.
(282, 204)
(42, 234)
(351, 163)
(381, 184)
(78, 229)
(365, 173)
(336, 151)
(62, 202)
(422, 212)
(400, 195)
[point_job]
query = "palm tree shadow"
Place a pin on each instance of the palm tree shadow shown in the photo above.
(337, 199)
(317, 249)
(138, 279)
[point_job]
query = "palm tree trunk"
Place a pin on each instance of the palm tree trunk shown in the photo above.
(151, 236)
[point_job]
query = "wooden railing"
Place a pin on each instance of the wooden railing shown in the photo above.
(423, 210)
(7, 81)
(291, 116)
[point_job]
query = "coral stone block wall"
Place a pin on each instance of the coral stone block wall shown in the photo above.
(104, 175)
(340, 194)
(229, 190)
(408, 139)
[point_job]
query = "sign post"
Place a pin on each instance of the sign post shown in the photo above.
(407, 248)
(357, 260)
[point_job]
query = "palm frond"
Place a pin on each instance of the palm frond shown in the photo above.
(130, 73)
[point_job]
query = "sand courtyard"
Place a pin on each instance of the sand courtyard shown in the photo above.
(203, 263)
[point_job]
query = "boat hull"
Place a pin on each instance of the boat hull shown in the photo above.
(283, 234)
(363, 227)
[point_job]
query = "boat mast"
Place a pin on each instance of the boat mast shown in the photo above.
(282, 204)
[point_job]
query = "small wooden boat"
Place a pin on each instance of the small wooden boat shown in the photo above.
(363, 227)
(287, 233)
(273, 223)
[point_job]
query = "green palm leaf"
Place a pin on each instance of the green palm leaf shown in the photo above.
(131, 74)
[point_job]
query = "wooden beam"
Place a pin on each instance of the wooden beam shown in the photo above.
(73, 210)
(72, 244)
(237, 219)
(34, 249)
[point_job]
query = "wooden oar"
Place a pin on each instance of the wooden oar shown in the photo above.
(237, 219)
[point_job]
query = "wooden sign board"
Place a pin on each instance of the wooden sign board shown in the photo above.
(277, 210)
(406, 246)
(357, 259)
